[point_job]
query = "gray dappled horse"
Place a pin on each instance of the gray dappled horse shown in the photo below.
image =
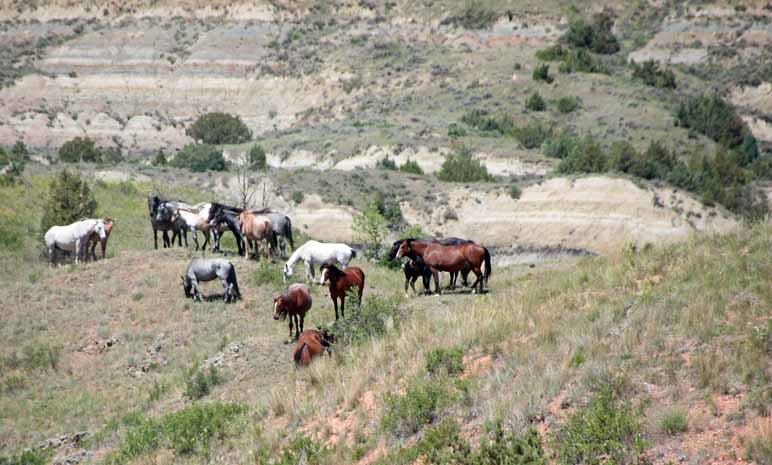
(209, 269)
(154, 204)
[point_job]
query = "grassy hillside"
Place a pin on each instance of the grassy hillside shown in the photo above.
(648, 355)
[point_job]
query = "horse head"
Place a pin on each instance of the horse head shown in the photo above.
(99, 228)
(280, 306)
(405, 249)
(165, 213)
(187, 286)
(328, 338)
(287, 271)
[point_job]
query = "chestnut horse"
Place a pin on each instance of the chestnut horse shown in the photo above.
(450, 258)
(310, 344)
(340, 283)
(92, 241)
(256, 228)
(295, 302)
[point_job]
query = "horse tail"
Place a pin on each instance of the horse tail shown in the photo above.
(270, 235)
(232, 280)
(487, 273)
(298, 355)
(288, 232)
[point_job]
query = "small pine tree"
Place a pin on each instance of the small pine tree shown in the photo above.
(370, 227)
(535, 102)
(257, 158)
(412, 167)
(12, 163)
(69, 200)
(220, 128)
(80, 149)
(462, 167)
(542, 73)
(160, 158)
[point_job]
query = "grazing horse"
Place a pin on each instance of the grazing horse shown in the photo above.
(195, 222)
(209, 269)
(282, 229)
(340, 283)
(310, 344)
(437, 257)
(416, 268)
(94, 238)
(73, 237)
(256, 228)
(295, 302)
(318, 253)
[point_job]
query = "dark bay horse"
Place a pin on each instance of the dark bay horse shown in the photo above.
(417, 269)
(220, 214)
(449, 258)
(311, 343)
(295, 302)
(154, 204)
(340, 283)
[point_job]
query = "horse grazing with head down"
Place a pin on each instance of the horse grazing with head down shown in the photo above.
(94, 238)
(295, 302)
(209, 269)
(255, 228)
(311, 343)
(340, 283)
(450, 258)
(73, 237)
(282, 229)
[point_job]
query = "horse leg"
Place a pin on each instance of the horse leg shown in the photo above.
(282, 247)
(155, 238)
(104, 247)
(206, 241)
(407, 282)
(465, 278)
(290, 326)
(78, 251)
(335, 304)
(52, 255)
(195, 238)
(165, 237)
(185, 234)
(478, 274)
(437, 282)
(343, 306)
(302, 322)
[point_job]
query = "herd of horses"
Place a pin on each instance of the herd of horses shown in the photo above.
(422, 258)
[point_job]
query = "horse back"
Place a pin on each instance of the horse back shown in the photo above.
(308, 346)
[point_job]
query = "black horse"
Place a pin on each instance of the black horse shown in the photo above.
(229, 216)
(154, 204)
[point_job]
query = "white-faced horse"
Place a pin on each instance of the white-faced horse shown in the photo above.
(73, 237)
(195, 222)
(319, 253)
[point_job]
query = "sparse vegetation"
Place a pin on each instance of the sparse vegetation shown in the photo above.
(377, 316)
(257, 158)
(674, 421)
(298, 197)
(12, 162)
(568, 104)
(542, 73)
(386, 163)
(460, 166)
(595, 36)
(475, 15)
(718, 119)
(201, 382)
(220, 128)
(420, 405)
(447, 361)
(412, 167)
(532, 135)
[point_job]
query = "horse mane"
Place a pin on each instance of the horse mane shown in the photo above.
(333, 269)
(262, 211)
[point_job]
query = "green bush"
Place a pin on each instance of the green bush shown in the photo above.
(220, 128)
(533, 135)
(200, 382)
(69, 200)
(443, 444)
(515, 192)
(606, 430)
(673, 422)
(80, 149)
(717, 119)
(160, 158)
(302, 449)
(12, 162)
(28, 457)
(581, 61)
(386, 163)
(474, 16)
(199, 158)
(186, 431)
(455, 131)
(535, 102)
(462, 167)
(542, 73)
(568, 104)
(758, 447)
(447, 361)
(257, 158)
(480, 120)
(377, 316)
(651, 74)
(560, 145)
(595, 36)
(298, 197)
(411, 167)
(587, 156)
(370, 227)
(420, 405)
(552, 53)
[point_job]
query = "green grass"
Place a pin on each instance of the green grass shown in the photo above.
(674, 421)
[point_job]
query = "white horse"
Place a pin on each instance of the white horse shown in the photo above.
(195, 222)
(73, 237)
(319, 253)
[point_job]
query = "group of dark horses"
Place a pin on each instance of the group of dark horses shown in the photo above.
(219, 218)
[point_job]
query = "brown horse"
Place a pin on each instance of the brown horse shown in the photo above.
(93, 239)
(255, 228)
(295, 302)
(340, 282)
(450, 258)
(310, 344)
